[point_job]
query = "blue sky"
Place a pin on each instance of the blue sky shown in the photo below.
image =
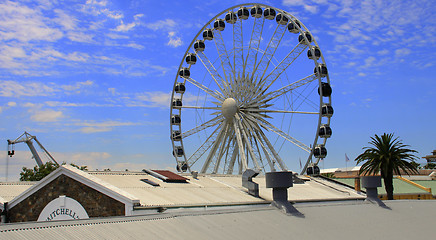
(93, 79)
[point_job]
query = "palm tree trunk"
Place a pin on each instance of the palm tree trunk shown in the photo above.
(389, 186)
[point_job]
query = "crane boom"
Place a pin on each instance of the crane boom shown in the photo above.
(27, 138)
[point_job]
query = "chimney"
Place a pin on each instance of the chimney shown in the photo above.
(280, 182)
(371, 183)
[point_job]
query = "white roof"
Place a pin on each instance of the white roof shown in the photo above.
(347, 169)
(81, 177)
(10, 190)
(334, 220)
(217, 189)
(206, 190)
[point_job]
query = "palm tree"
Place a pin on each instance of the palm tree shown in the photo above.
(387, 156)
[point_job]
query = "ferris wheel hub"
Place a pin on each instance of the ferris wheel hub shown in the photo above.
(229, 108)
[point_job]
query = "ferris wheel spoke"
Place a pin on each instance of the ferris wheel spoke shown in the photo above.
(223, 56)
(217, 142)
(282, 66)
(229, 148)
(204, 147)
(277, 111)
(305, 99)
(199, 107)
(211, 123)
(269, 147)
(254, 142)
(286, 136)
(251, 125)
(217, 95)
(265, 143)
(222, 150)
(234, 156)
(220, 82)
(245, 135)
(264, 98)
(267, 56)
(266, 153)
(253, 47)
(241, 148)
(259, 153)
(238, 42)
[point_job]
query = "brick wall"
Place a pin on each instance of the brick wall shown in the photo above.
(95, 203)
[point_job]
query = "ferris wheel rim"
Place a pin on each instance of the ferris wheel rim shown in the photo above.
(303, 29)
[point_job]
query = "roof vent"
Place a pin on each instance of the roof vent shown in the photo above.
(154, 184)
(280, 182)
(247, 182)
(371, 183)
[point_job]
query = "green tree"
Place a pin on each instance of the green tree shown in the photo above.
(430, 166)
(388, 155)
(83, 168)
(38, 173)
(416, 165)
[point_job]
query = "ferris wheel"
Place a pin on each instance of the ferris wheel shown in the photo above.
(252, 92)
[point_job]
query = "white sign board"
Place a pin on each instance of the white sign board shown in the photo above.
(62, 208)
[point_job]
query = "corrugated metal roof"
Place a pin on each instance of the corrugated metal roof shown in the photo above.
(10, 190)
(343, 220)
(203, 190)
(216, 189)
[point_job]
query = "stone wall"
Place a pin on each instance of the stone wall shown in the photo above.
(95, 203)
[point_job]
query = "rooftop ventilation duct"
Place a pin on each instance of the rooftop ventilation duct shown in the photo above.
(247, 182)
(371, 183)
(280, 182)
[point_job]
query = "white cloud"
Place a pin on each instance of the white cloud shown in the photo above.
(127, 27)
(383, 52)
(116, 36)
(369, 61)
(77, 85)
(107, 126)
(116, 15)
(135, 45)
(307, 5)
(402, 52)
(12, 104)
(22, 23)
(67, 21)
(174, 41)
(48, 115)
(153, 99)
(124, 27)
(113, 91)
(162, 24)
(80, 37)
(77, 57)
(17, 89)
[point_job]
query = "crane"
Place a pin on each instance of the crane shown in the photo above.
(27, 138)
